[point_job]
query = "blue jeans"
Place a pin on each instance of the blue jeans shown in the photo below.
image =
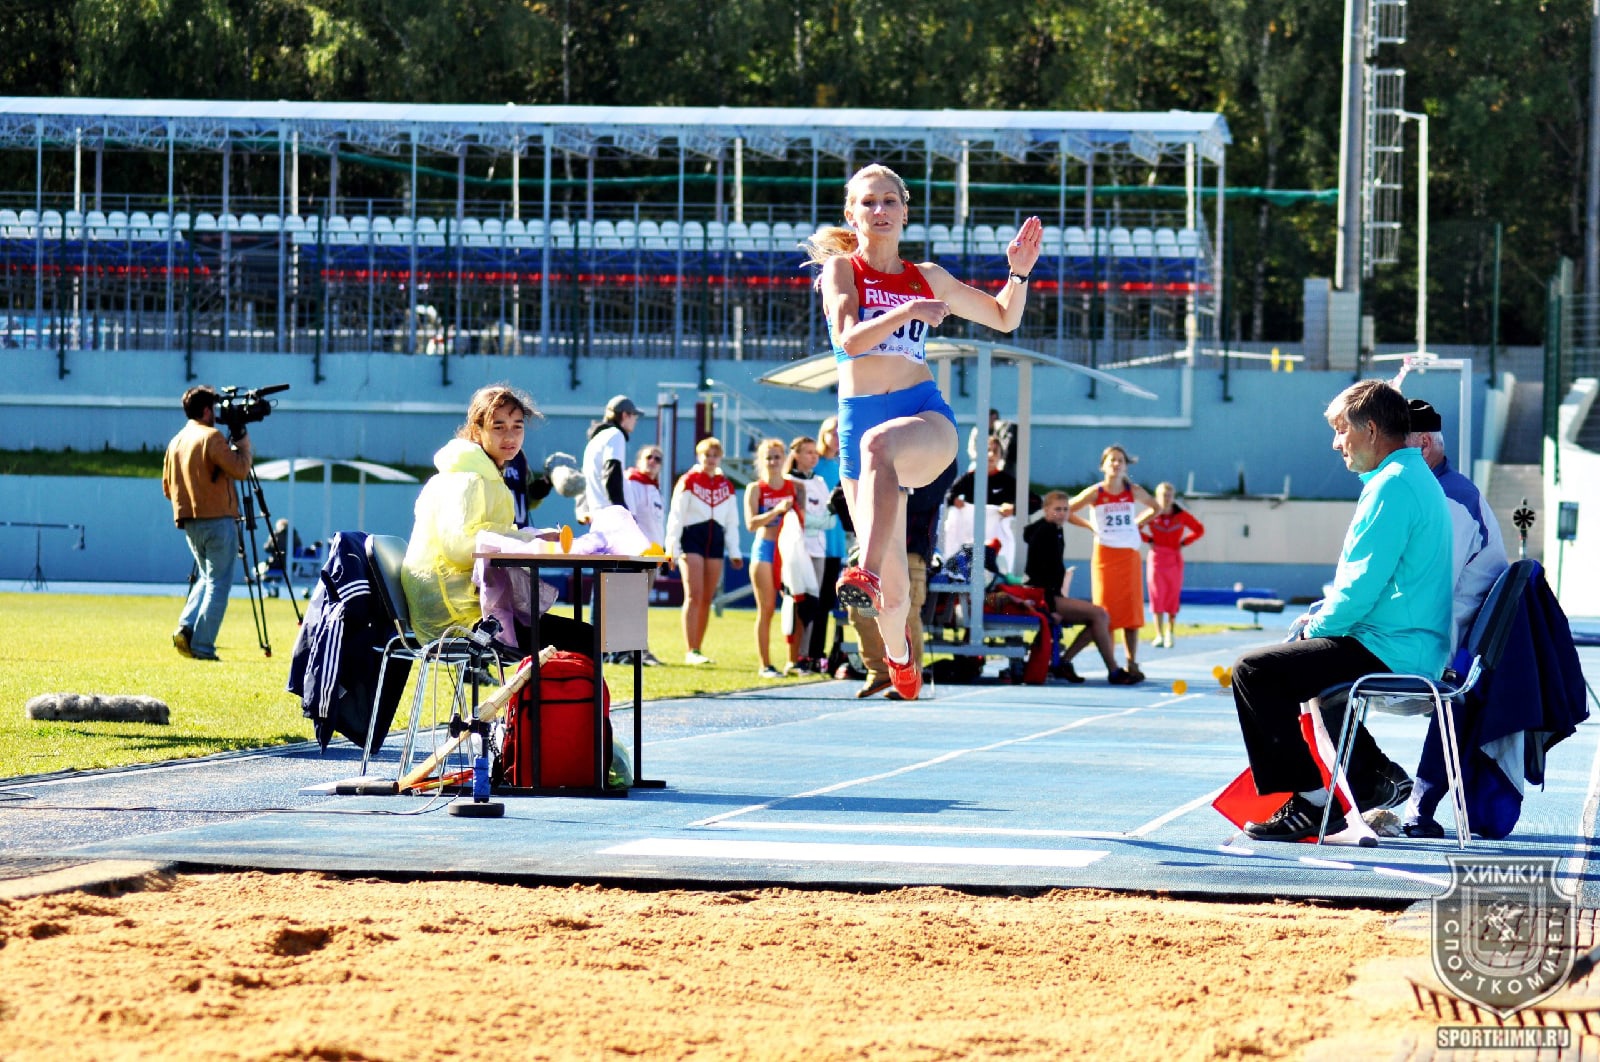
(215, 545)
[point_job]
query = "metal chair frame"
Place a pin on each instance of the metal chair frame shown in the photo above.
(1396, 694)
(384, 554)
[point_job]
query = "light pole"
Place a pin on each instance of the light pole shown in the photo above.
(1422, 226)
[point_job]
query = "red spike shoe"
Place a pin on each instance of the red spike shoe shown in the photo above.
(906, 678)
(860, 589)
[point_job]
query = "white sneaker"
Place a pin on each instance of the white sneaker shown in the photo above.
(696, 657)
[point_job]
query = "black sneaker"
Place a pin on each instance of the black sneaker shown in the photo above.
(1422, 828)
(1387, 787)
(1119, 677)
(1068, 672)
(1297, 820)
(180, 641)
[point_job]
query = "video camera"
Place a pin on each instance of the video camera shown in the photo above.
(235, 409)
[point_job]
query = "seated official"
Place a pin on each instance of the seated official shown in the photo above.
(1478, 553)
(466, 496)
(1046, 569)
(1002, 486)
(1389, 610)
(1478, 556)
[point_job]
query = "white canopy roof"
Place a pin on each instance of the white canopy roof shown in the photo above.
(820, 372)
(280, 469)
(391, 128)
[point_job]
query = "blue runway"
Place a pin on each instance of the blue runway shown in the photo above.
(987, 787)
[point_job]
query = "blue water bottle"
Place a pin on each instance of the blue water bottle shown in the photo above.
(480, 779)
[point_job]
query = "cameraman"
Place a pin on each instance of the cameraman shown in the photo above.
(198, 475)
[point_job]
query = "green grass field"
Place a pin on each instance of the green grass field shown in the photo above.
(78, 643)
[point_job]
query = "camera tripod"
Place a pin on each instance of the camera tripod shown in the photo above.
(250, 498)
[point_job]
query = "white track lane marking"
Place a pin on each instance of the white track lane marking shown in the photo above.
(808, 852)
(1177, 812)
(1411, 875)
(954, 754)
(963, 831)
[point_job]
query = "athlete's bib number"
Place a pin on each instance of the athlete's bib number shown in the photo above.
(905, 341)
(1114, 525)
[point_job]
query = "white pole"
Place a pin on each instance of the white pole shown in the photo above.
(963, 199)
(738, 180)
(1188, 187)
(1422, 233)
(1347, 250)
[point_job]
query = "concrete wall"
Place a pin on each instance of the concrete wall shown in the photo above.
(1259, 428)
(1289, 547)
(1573, 568)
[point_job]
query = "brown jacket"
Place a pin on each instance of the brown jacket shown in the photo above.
(199, 471)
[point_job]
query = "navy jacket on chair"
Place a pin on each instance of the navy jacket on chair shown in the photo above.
(1512, 718)
(334, 669)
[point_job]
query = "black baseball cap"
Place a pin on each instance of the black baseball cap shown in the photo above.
(619, 405)
(1424, 417)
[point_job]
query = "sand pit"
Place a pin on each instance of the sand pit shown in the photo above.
(280, 966)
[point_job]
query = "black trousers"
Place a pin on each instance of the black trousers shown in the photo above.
(563, 632)
(1269, 686)
(821, 608)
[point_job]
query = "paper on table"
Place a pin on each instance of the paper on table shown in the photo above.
(507, 593)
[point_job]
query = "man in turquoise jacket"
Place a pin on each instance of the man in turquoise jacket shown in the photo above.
(1389, 610)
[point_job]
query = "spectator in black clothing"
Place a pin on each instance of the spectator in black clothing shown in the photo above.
(527, 488)
(1002, 490)
(1047, 570)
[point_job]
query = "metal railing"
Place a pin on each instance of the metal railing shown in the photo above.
(615, 286)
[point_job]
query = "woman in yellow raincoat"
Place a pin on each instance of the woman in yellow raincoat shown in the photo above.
(466, 496)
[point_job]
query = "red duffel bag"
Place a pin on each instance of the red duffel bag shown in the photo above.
(564, 719)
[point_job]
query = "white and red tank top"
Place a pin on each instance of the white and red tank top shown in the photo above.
(767, 499)
(1113, 519)
(878, 293)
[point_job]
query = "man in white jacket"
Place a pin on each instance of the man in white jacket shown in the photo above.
(605, 458)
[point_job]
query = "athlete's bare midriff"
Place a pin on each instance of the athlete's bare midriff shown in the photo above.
(879, 375)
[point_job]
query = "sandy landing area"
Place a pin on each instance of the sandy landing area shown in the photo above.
(302, 966)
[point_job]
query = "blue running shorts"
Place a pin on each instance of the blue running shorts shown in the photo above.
(859, 414)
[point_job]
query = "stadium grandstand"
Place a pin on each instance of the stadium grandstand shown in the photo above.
(656, 250)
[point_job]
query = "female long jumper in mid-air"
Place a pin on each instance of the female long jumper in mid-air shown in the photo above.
(896, 432)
